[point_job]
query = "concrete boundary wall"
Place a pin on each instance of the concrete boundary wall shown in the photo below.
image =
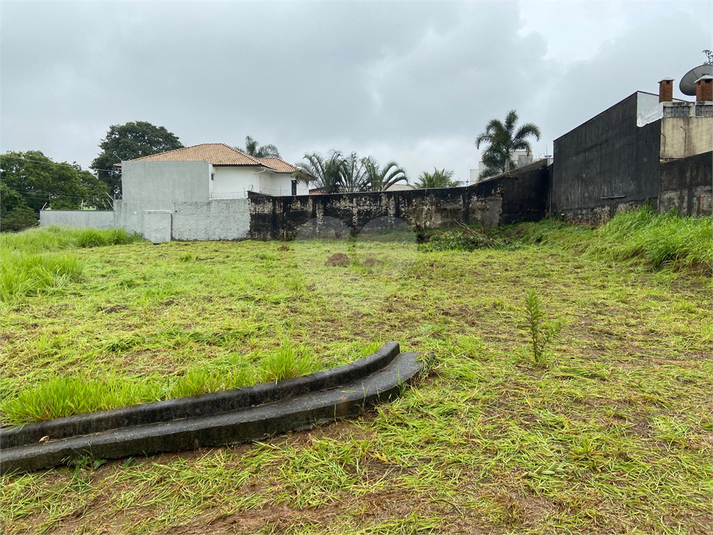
(217, 219)
(687, 185)
(77, 218)
(520, 195)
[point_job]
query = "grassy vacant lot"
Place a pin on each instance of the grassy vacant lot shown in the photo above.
(613, 433)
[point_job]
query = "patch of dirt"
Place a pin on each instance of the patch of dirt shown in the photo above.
(338, 259)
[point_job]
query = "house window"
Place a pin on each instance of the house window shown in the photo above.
(212, 176)
(294, 187)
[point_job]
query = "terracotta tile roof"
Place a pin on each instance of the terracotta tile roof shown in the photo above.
(277, 164)
(217, 154)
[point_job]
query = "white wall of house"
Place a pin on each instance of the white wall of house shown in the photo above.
(280, 185)
(230, 182)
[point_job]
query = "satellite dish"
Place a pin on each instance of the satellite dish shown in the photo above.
(688, 82)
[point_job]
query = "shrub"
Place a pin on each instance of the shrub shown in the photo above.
(461, 239)
(541, 332)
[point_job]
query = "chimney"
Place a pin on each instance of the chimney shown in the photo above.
(704, 88)
(666, 90)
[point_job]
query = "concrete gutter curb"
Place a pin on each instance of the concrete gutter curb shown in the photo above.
(195, 406)
(244, 425)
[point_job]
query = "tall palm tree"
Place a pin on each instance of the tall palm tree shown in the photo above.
(504, 141)
(440, 178)
(382, 178)
(253, 148)
(325, 173)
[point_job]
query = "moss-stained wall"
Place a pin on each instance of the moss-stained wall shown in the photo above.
(606, 164)
(517, 196)
(687, 185)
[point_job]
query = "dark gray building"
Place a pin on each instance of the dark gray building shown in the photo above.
(613, 161)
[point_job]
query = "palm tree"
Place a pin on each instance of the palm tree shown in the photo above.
(504, 141)
(382, 178)
(440, 178)
(325, 173)
(348, 174)
(253, 148)
(353, 175)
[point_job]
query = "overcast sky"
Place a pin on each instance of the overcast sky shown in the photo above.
(405, 81)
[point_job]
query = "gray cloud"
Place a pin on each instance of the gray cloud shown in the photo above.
(415, 82)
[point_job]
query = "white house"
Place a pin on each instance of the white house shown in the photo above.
(231, 172)
(193, 193)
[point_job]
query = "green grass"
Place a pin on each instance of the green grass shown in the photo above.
(37, 261)
(55, 238)
(25, 274)
(658, 240)
(614, 435)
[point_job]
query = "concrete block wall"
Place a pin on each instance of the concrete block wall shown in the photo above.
(77, 218)
(227, 219)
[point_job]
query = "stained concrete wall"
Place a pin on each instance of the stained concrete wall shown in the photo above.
(605, 165)
(682, 137)
(687, 185)
(77, 218)
(517, 196)
(227, 219)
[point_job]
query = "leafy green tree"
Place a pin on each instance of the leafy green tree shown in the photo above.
(382, 178)
(30, 181)
(440, 178)
(252, 148)
(503, 141)
(127, 142)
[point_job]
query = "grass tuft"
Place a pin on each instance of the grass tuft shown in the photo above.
(287, 362)
(55, 238)
(65, 396)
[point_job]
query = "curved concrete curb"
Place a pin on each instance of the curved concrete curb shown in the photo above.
(305, 410)
(194, 406)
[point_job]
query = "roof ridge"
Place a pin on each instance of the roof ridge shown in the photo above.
(239, 151)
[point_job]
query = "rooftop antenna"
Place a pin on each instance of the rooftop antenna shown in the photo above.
(688, 82)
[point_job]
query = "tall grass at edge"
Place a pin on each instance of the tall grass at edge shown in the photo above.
(659, 240)
(56, 238)
(23, 274)
(37, 260)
